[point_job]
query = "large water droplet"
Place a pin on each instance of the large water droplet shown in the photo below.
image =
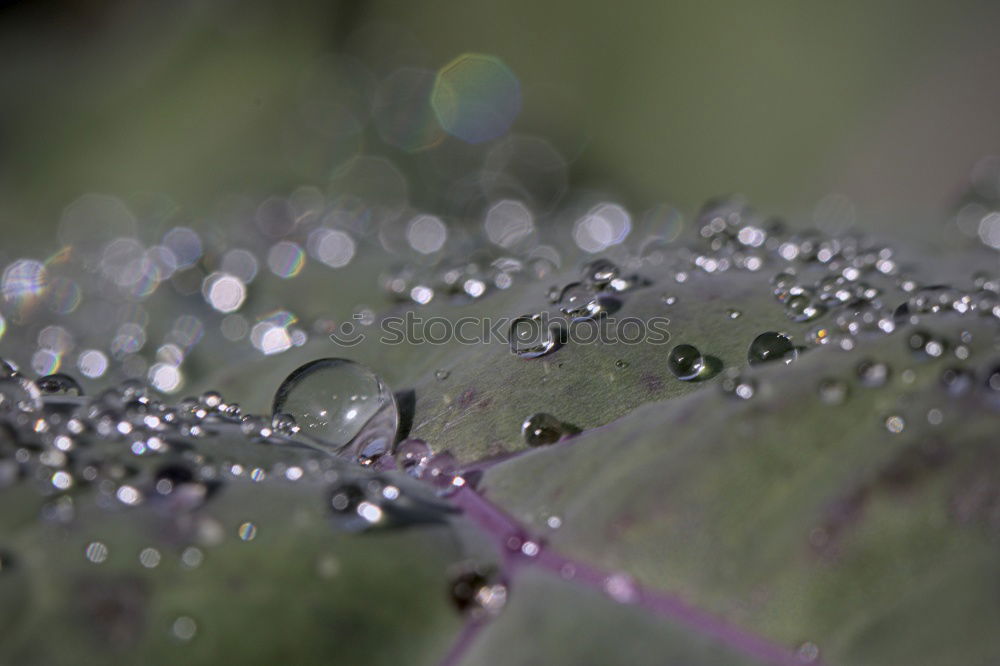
(686, 362)
(771, 346)
(339, 403)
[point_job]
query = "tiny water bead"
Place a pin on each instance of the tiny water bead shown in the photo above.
(339, 403)
(686, 362)
(541, 429)
(771, 346)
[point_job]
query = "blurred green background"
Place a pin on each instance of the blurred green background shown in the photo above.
(889, 104)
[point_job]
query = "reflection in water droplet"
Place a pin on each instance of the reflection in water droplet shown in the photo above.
(441, 375)
(337, 403)
(771, 346)
(686, 362)
(541, 429)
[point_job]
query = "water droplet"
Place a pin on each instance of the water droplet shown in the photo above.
(184, 628)
(283, 423)
(992, 383)
(477, 591)
(686, 362)
(733, 314)
(621, 364)
(895, 424)
(621, 588)
(957, 381)
(339, 403)
(96, 552)
(802, 307)
(18, 393)
(247, 531)
(669, 299)
(59, 384)
(441, 375)
(924, 345)
(735, 384)
(771, 346)
(833, 391)
(529, 338)
(873, 373)
(541, 429)
(807, 653)
(412, 456)
(599, 273)
(580, 302)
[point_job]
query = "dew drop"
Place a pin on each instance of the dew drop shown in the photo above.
(18, 393)
(873, 374)
(540, 429)
(184, 628)
(530, 338)
(580, 302)
(771, 346)
(247, 531)
(833, 391)
(600, 273)
(737, 385)
(339, 403)
(412, 455)
(895, 424)
(686, 362)
(957, 381)
(58, 384)
(477, 591)
(923, 345)
(441, 375)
